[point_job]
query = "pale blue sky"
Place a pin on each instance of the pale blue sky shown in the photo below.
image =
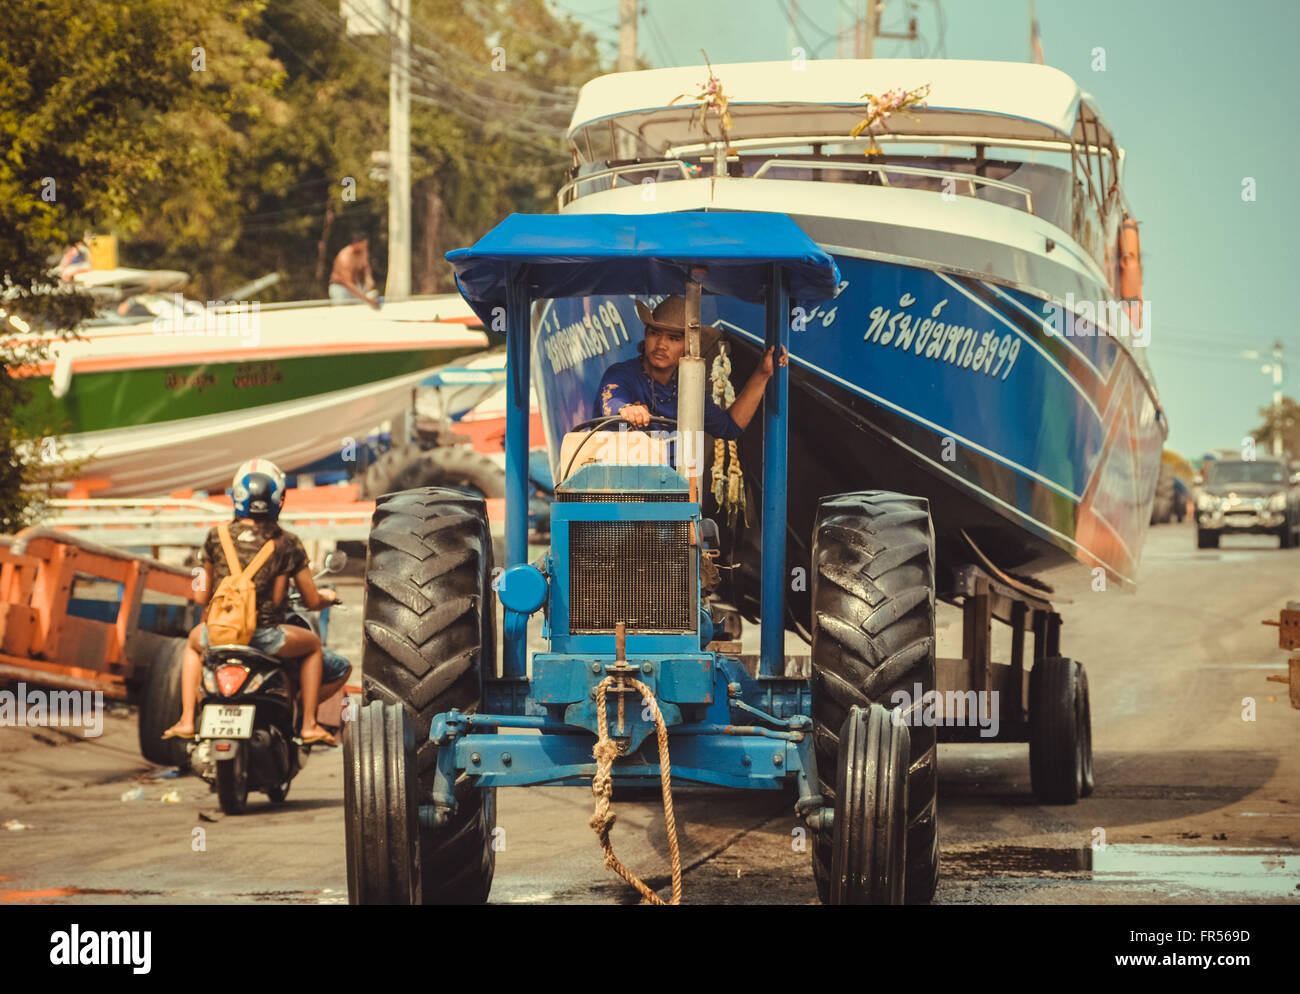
(1196, 92)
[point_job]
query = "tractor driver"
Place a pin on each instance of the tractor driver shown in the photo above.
(647, 384)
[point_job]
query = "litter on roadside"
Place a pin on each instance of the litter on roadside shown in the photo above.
(134, 794)
(14, 825)
(172, 797)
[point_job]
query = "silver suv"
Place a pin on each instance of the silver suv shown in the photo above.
(1247, 497)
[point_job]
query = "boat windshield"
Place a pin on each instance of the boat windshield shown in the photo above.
(1224, 472)
(1047, 179)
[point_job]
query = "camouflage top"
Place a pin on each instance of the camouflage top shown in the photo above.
(288, 558)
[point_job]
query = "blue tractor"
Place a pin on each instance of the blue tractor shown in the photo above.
(636, 682)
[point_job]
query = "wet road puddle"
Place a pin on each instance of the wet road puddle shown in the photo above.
(45, 894)
(1244, 873)
(58, 895)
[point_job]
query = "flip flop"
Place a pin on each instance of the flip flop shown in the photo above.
(324, 738)
(173, 734)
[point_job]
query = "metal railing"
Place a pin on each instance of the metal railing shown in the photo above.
(564, 198)
(172, 521)
(568, 192)
(883, 170)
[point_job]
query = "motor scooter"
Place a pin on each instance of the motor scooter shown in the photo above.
(250, 713)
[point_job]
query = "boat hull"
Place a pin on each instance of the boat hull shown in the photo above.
(1040, 449)
(202, 453)
(143, 409)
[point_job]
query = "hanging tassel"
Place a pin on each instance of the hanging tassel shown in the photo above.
(728, 485)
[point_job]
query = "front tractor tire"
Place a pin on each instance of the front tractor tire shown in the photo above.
(379, 799)
(873, 636)
(868, 855)
(429, 636)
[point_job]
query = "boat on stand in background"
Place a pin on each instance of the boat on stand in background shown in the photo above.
(168, 394)
(985, 347)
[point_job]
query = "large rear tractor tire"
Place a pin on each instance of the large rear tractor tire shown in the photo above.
(408, 467)
(870, 834)
(874, 635)
(429, 638)
(379, 800)
(160, 706)
(1060, 731)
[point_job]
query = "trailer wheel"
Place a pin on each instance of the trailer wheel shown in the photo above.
(160, 706)
(232, 781)
(456, 467)
(873, 636)
(1088, 780)
(1060, 733)
(383, 854)
(868, 860)
(1207, 539)
(428, 636)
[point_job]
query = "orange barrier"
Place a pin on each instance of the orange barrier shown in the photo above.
(40, 641)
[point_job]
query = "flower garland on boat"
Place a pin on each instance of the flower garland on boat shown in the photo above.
(727, 483)
(710, 98)
(881, 108)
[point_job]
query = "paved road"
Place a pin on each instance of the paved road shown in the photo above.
(1193, 803)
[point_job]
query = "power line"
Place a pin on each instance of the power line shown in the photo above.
(522, 126)
(665, 53)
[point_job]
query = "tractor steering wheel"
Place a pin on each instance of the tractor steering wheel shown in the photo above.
(595, 424)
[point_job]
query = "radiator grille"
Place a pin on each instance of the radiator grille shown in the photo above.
(637, 572)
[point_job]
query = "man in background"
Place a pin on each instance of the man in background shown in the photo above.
(350, 278)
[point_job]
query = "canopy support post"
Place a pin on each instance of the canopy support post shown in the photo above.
(775, 428)
(518, 363)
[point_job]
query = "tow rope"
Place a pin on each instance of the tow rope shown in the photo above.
(605, 752)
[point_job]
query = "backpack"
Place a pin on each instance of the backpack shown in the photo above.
(232, 611)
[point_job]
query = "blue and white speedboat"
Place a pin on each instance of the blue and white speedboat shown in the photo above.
(986, 348)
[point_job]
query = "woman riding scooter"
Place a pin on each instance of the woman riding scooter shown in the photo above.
(258, 490)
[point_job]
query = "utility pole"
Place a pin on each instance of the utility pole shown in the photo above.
(869, 29)
(627, 35)
(399, 152)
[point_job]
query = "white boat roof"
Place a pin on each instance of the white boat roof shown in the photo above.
(1005, 100)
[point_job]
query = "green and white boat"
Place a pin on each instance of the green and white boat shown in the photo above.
(154, 405)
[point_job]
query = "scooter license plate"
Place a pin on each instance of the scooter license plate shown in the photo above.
(225, 721)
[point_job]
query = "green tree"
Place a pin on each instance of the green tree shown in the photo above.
(1286, 418)
(230, 138)
(124, 116)
(493, 86)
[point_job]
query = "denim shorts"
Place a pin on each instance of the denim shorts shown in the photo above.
(335, 666)
(267, 640)
(271, 640)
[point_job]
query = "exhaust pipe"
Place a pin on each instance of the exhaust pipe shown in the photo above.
(691, 381)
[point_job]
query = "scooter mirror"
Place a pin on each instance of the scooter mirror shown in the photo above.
(335, 561)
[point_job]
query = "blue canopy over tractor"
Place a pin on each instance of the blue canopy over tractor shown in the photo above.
(575, 255)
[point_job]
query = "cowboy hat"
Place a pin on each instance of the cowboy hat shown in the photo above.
(671, 316)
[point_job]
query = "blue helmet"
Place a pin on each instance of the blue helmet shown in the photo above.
(258, 490)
